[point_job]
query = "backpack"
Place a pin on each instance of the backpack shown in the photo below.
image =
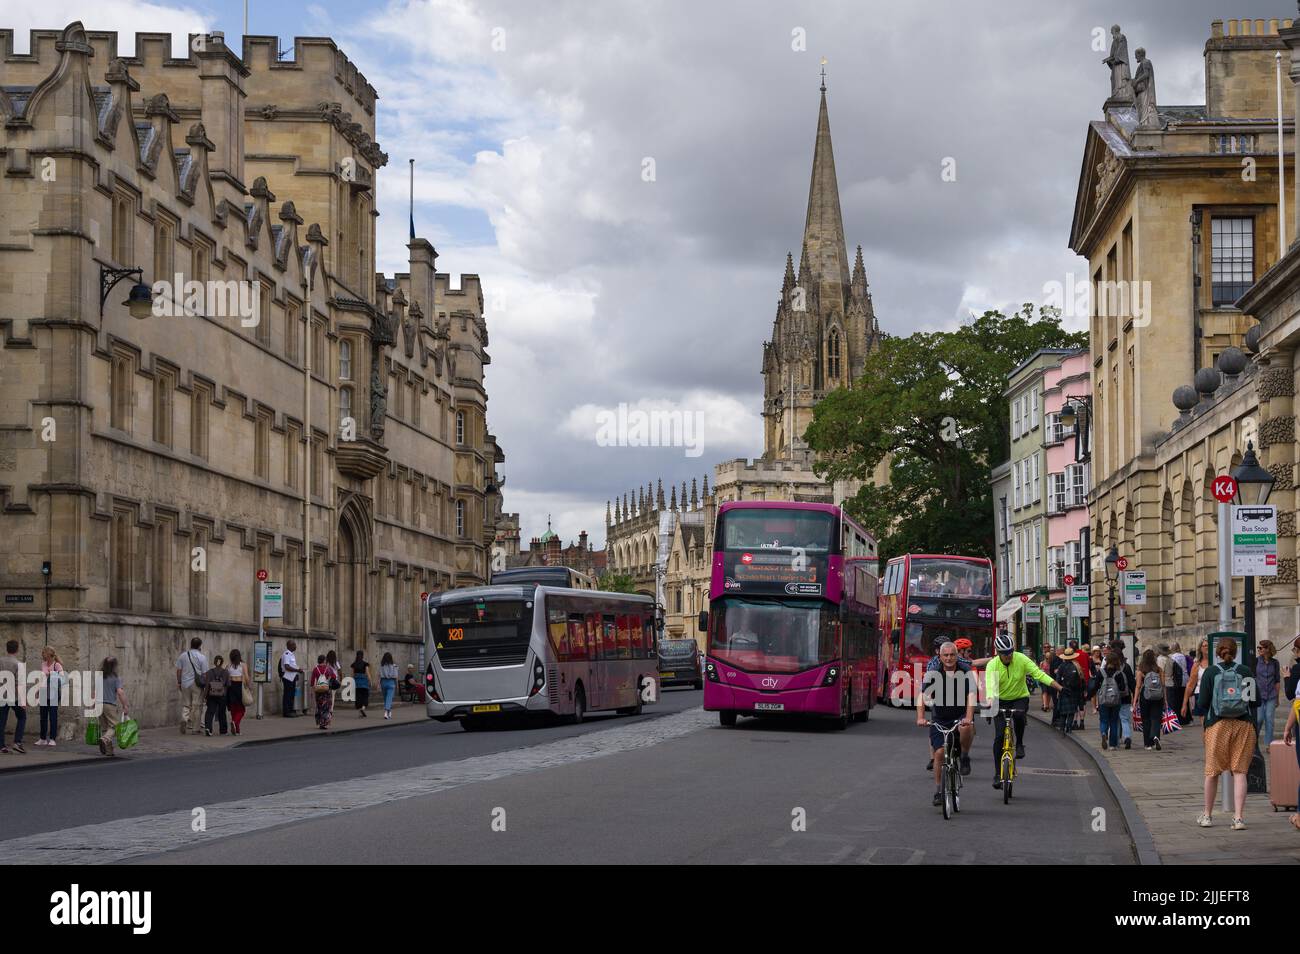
(1177, 676)
(1068, 676)
(1108, 693)
(1152, 686)
(216, 683)
(1229, 698)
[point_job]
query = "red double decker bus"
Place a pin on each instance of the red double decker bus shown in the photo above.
(926, 600)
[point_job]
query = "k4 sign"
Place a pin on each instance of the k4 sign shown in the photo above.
(1254, 541)
(1134, 584)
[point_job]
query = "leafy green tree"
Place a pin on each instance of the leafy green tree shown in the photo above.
(931, 403)
(616, 583)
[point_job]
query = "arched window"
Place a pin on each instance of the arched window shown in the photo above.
(345, 404)
(833, 355)
(345, 360)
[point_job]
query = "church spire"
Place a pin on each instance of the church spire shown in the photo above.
(823, 233)
(789, 281)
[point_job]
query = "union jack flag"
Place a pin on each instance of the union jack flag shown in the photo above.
(1170, 721)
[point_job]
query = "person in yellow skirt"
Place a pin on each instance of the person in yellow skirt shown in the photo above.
(1229, 736)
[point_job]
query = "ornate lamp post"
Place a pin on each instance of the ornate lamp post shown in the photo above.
(1254, 484)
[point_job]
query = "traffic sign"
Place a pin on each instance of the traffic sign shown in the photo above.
(262, 575)
(1069, 579)
(1079, 602)
(1134, 588)
(1121, 564)
(1224, 488)
(1024, 597)
(424, 597)
(1254, 541)
(272, 600)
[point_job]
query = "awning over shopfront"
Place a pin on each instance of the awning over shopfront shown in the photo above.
(1009, 609)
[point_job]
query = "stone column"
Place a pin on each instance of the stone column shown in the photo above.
(1277, 453)
(1291, 37)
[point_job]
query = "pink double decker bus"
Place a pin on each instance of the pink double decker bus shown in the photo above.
(791, 625)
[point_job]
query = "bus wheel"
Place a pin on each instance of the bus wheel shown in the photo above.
(579, 705)
(866, 710)
(728, 718)
(846, 708)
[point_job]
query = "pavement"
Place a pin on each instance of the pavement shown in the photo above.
(1166, 789)
(167, 741)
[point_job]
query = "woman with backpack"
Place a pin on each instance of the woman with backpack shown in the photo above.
(216, 683)
(1229, 729)
(1151, 699)
(1110, 690)
(324, 681)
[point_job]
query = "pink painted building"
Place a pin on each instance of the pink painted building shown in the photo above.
(1067, 488)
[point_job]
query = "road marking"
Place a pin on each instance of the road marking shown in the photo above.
(126, 838)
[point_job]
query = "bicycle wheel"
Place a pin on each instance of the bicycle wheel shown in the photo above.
(947, 796)
(1008, 772)
(954, 785)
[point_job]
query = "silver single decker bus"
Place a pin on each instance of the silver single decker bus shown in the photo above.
(494, 651)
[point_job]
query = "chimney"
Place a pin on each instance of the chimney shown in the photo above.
(423, 257)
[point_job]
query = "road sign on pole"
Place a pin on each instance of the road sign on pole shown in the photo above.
(1254, 541)
(1079, 602)
(272, 600)
(1224, 488)
(1134, 585)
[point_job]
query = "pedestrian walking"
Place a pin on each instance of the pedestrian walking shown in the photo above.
(240, 694)
(1229, 729)
(1070, 699)
(10, 663)
(113, 707)
(53, 679)
(216, 682)
(1048, 665)
(1109, 688)
(388, 682)
(1289, 737)
(1126, 711)
(190, 667)
(289, 674)
(361, 682)
(1268, 679)
(324, 682)
(1191, 706)
(1291, 673)
(1151, 699)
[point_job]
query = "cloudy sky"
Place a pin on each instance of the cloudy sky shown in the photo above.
(532, 124)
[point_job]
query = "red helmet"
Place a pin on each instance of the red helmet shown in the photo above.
(963, 644)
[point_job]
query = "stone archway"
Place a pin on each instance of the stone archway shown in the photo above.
(353, 577)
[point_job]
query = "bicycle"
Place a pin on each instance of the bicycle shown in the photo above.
(1007, 763)
(951, 772)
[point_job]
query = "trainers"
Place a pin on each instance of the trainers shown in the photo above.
(1238, 825)
(51, 743)
(18, 747)
(1128, 743)
(997, 783)
(1156, 743)
(929, 766)
(938, 798)
(1020, 751)
(965, 765)
(1204, 820)
(1104, 743)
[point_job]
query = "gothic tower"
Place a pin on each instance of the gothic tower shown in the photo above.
(825, 324)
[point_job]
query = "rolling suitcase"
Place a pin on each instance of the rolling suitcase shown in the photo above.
(1283, 775)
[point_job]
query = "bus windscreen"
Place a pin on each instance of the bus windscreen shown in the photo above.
(769, 636)
(808, 530)
(948, 579)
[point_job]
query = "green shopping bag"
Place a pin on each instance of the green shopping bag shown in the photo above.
(128, 733)
(92, 732)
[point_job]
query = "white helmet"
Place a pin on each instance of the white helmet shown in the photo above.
(1004, 643)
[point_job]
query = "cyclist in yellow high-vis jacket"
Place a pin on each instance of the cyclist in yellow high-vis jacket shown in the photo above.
(1006, 688)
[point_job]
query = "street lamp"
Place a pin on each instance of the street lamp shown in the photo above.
(1112, 577)
(1076, 411)
(1254, 484)
(140, 299)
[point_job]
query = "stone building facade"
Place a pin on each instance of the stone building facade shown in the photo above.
(1178, 218)
(157, 464)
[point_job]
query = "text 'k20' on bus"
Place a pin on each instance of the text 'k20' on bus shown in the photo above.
(498, 650)
(791, 625)
(925, 601)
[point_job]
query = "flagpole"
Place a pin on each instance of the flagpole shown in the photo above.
(412, 161)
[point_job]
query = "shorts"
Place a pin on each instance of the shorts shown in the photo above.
(936, 737)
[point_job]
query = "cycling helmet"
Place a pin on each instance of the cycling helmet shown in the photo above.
(963, 644)
(1004, 643)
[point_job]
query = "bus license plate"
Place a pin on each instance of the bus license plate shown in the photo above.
(769, 706)
(486, 709)
(668, 675)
